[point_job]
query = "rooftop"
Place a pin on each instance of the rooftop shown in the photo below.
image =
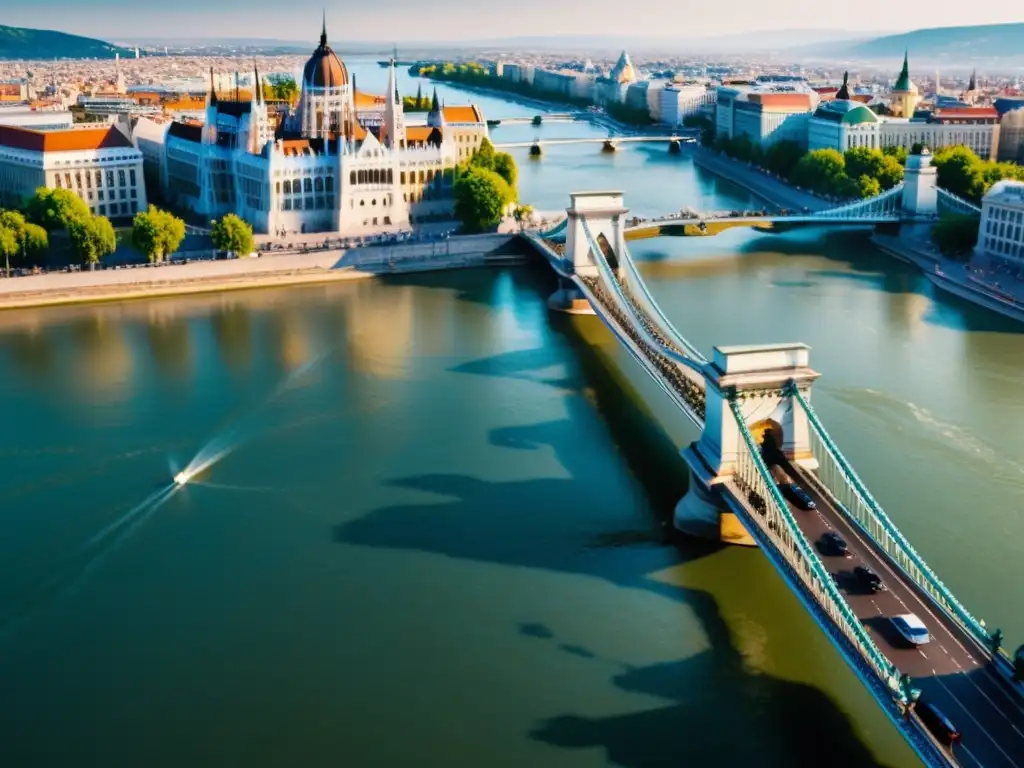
(64, 140)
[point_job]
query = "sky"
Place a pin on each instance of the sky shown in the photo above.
(478, 20)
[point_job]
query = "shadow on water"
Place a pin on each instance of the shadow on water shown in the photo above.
(720, 711)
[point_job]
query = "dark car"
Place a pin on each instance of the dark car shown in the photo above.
(833, 544)
(797, 496)
(936, 722)
(868, 579)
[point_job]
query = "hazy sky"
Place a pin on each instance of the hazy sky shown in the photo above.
(447, 20)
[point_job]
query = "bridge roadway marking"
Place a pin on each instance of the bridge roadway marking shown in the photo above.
(969, 702)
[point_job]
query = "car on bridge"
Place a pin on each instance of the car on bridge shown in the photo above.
(911, 629)
(833, 544)
(867, 579)
(797, 496)
(936, 722)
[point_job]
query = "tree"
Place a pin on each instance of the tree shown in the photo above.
(8, 247)
(91, 238)
(286, 89)
(868, 186)
(481, 197)
(484, 155)
(522, 214)
(55, 208)
(233, 235)
(35, 242)
(821, 170)
(31, 240)
(898, 151)
(505, 166)
(960, 171)
(891, 172)
(420, 106)
(782, 156)
(157, 233)
(956, 235)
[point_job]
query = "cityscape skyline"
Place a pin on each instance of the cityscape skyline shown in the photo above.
(458, 21)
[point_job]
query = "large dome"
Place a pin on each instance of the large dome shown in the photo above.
(324, 68)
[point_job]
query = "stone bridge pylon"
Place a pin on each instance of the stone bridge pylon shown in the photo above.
(760, 378)
(605, 215)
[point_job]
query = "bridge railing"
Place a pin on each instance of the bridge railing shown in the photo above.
(950, 202)
(679, 369)
(643, 323)
(838, 479)
(777, 523)
(888, 202)
(636, 286)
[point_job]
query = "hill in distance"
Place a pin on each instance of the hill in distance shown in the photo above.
(937, 44)
(23, 43)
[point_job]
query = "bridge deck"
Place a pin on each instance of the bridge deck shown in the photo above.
(951, 670)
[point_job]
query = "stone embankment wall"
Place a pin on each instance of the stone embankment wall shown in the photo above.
(319, 266)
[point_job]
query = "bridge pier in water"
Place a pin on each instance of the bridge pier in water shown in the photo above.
(760, 377)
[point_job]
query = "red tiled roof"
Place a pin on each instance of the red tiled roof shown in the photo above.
(107, 137)
(782, 100)
(463, 114)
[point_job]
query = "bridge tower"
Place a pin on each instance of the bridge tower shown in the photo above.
(760, 377)
(605, 217)
(921, 185)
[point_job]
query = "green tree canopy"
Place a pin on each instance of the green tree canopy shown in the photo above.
(36, 242)
(157, 233)
(31, 239)
(484, 155)
(481, 196)
(232, 234)
(505, 166)
(91, 238)
(782, 157)
(898, 152)
(55, 208)
(956, 235)
(821, 170)
(868, 186)
(886, 169)
(9, 246)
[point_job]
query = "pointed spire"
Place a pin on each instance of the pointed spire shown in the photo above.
(392, 90)
(844, 92)
(903, 81)
(213, 89)
(435, 106)
(323, 31)
(257, 90)
(973, 84)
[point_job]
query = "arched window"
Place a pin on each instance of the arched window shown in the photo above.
(287, 187)
(318, 184)
(362, 177)
(279, 187)
(329, 183)
(308, 184)
(351, 177)
(391, 176)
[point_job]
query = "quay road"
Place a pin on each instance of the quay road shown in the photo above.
(950, 671)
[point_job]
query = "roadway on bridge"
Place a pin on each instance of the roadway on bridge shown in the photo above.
(950, 670)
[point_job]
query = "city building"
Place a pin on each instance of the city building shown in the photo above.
(904, 97)
(1011, 136)
(99, 164)
(767, 113)
(29, 117)
(1001, 233)
(335, 163)
(678, 101)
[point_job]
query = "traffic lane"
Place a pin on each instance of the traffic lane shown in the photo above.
(988, 725)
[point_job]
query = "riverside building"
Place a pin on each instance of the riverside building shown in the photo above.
(1001, 233)
(98, 163)
(324, 166)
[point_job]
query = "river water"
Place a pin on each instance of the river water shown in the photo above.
(433, 530)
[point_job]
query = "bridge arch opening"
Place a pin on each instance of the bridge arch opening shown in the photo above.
(768, 434)
(609, 253)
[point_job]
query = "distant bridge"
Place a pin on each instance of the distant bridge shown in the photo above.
(885, 208)
(609, 142)
(557, 117)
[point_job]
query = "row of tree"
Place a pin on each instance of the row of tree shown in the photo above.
(485, 186)
(963, 173)
(857, 173)
(60, 216)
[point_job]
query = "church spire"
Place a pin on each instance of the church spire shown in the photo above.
(844, 92)
(213, 90)
(323, 31)
(435, 117)
(903, 81)
(973, 84)
(257, 90)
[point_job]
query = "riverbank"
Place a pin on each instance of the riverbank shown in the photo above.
(953, 277)
(755, 181)
(291, 269)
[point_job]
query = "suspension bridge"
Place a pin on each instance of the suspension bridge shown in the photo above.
(752, 405)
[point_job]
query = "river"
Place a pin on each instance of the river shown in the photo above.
(433, 529)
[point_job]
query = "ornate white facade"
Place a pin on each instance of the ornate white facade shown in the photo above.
(315, 169)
